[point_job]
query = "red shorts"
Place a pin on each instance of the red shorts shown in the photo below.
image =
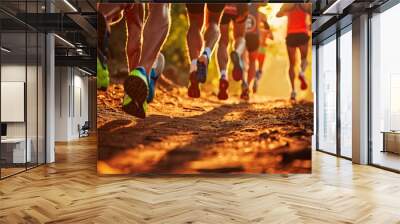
(260, 57)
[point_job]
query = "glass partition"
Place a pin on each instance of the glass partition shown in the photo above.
(13, 104)
(327, 96)
(22, 89)
(346, 93)
(385, 89)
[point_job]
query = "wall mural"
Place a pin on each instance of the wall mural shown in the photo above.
(204, 88)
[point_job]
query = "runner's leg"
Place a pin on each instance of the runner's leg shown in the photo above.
(252, 66)
(222, 56)
(154, 34)
(134, 21)
(138, 84)
(193, 37)
(222, 53)
(212, 32)
(194, 41)
(303, 52)
(260, 60)
(239, 32)
(237, 53)
(211, 36)
(292, 63)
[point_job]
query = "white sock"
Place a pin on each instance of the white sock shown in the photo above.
(245, 85)
(193, 66)
(207, 50)
(223, 75)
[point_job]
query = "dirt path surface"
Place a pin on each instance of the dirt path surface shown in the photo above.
(183, 135)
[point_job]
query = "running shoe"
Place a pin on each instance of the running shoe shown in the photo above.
(237, 72)
(152, 85)
(194, 90)
(202, 68)
(255, 84)
(103, 76)
(303, 85)
(136, 92)
(223, 89)
(293, 96)
(245, 92)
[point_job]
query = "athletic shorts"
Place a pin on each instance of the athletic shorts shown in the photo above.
(198, 8)
(260, 57)
(297, 39)
(252, 41)
(240, 17)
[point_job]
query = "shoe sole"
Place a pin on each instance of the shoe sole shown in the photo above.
(134, 109)
(223, 87)
(137, 90)
(237, 72)
(201, 72)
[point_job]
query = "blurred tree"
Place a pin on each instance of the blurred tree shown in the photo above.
(174, 49)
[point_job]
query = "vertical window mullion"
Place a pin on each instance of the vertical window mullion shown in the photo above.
(26, 86)
(0, 90)
(338, 75)
(37, 90)
(317, 97)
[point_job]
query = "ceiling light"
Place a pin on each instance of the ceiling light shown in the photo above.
(70, 5)
(337, 7)
(64, 40)
(84, 71)
(5, 50)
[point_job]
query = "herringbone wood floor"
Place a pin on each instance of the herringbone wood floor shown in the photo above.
(70, 191)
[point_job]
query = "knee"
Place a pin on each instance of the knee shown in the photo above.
(160, 12)
(214, 28)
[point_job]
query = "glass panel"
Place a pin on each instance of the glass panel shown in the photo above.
(327, 96)
(346, 94)
(13, 86)
(385, 85)
(23, 84)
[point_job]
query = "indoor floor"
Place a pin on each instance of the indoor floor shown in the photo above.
(70, 191)
(387, 159)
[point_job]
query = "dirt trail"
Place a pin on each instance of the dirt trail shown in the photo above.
(183, 135)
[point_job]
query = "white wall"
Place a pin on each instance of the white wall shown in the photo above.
(33, 127)
(61, 114)
(14, 73)
(71, 94)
